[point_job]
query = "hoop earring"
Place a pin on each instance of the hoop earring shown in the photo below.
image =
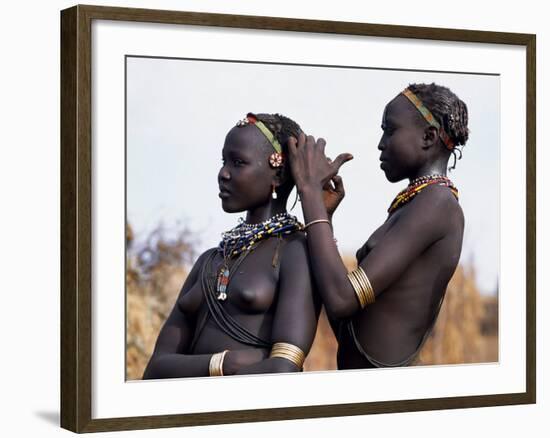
(273, 192)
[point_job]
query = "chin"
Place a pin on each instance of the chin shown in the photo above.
(228, 207)
(393, 178)
(388, 175)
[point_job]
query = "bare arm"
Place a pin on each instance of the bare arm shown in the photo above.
(168, 359)
(399, 247)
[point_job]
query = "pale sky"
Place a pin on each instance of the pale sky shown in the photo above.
(179, 111)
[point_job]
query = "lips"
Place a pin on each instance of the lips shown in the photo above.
(224, 193)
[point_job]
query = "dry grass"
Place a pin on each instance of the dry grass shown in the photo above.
(466, 330)
(154, 276)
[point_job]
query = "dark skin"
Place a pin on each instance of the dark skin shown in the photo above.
(409, 259)
(276, 304)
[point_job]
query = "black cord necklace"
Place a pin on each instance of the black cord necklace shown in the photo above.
(219, 314)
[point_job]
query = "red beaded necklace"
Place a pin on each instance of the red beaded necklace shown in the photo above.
(416, 186)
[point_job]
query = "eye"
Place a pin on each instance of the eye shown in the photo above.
(238, 162)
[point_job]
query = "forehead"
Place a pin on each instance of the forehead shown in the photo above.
(401, 111)
(247, 140)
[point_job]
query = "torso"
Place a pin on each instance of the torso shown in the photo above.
(251, 299)
(391, 330)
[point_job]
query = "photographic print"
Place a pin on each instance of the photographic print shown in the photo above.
(180, 112)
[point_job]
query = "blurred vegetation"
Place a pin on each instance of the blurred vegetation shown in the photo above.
(466, 330)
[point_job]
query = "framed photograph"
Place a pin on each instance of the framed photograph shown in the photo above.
(148, 98)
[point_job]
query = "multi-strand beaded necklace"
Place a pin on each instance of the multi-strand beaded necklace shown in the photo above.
(416, 186)
(241, 239)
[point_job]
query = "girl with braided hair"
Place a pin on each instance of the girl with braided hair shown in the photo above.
(248, 305)
(383, 311)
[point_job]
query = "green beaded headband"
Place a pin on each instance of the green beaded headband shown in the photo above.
(429, 117)
(250, 119)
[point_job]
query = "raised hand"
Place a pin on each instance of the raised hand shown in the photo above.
(309, 164)
(333, 193)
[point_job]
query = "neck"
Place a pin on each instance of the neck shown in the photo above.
(264, 212)
(435, 168)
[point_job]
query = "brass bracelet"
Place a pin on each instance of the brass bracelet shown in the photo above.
(289, 352)
(318, 221)
(359, 291)
(362, 287)
(215, 367)
(363, 279)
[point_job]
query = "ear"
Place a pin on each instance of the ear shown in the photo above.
(431, 137)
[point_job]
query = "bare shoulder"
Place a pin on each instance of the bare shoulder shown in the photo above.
(296, 239)
(437, 208)
(438, 200)
(196, 270)
(294, 250)
(295, 272)
(201, 259)
(296, 243)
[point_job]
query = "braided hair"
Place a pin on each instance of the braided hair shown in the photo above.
(448, 109)
(282, 128)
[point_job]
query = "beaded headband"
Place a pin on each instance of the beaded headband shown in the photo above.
(276, 158)
(250, 119)
(429, 117)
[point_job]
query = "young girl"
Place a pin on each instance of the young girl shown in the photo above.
(384, 310)
(247, 306)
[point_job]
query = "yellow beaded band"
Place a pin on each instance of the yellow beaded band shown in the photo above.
(362, 287)
(289, 352)
(215, 367)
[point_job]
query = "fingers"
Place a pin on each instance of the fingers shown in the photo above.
(321, 143)
(296, 143)
(308, 145)
(338, 184)
(329, 186)
(340, 160)
(311, 143)
(301, 139)
(292, 146)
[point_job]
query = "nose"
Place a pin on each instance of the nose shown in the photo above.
(381, 144)
(223, 174)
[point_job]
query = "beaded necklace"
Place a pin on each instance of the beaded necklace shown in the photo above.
(416, 186)
(240, 240)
